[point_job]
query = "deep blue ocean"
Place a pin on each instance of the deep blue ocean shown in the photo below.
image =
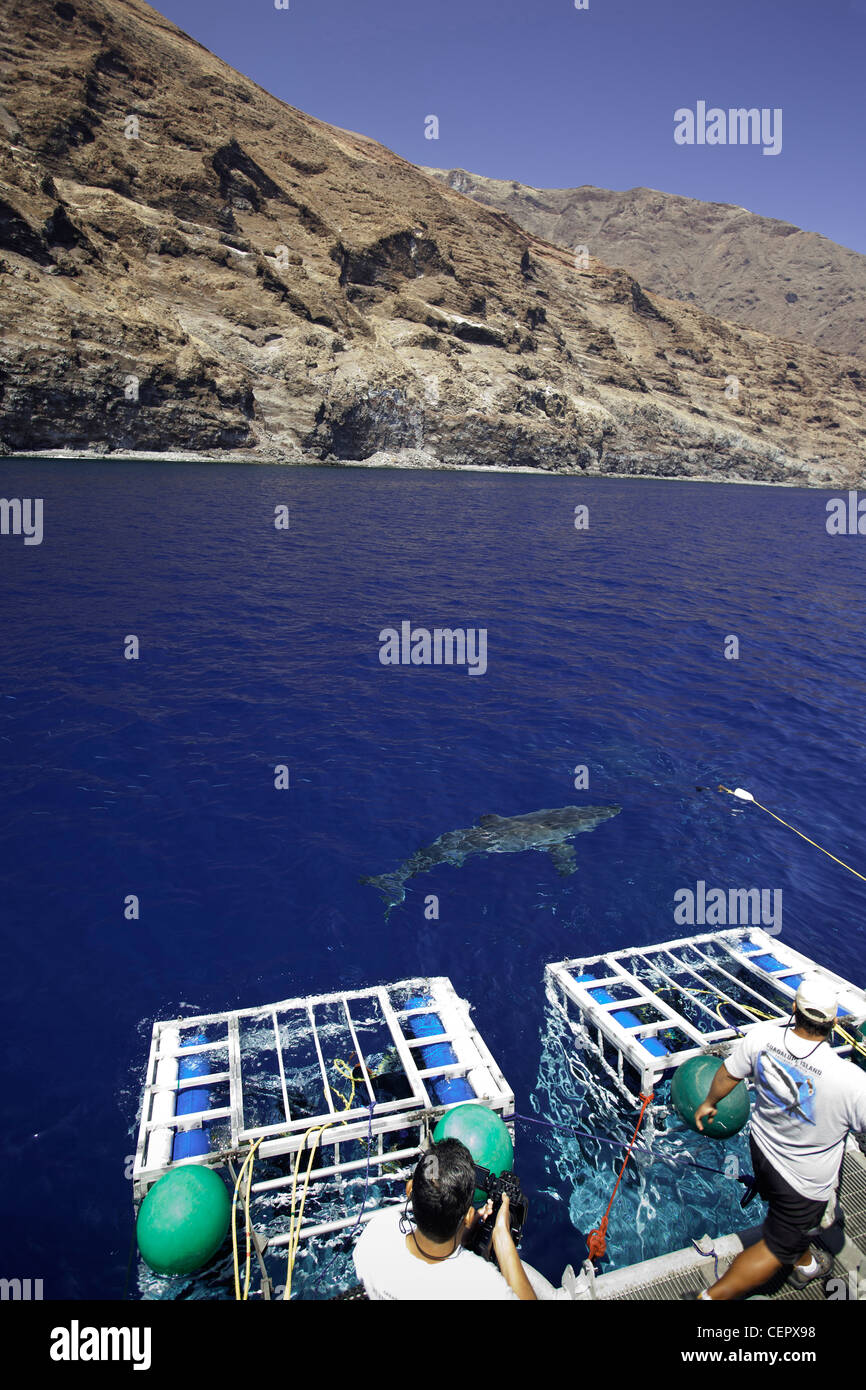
(260, 647)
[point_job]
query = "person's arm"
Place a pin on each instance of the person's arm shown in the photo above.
(723, 1084)
(507, 1257)
(857, 1112)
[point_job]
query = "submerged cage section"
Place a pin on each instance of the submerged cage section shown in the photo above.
(355, 1080)
(645, 1011)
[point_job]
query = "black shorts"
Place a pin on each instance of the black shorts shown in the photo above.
(790, 1217)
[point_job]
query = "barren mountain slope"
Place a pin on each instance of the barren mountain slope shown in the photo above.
(754, 271)
(240, 277)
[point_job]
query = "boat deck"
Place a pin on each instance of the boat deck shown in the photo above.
(687, 1271)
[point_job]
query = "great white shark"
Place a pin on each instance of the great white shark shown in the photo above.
(541, 830)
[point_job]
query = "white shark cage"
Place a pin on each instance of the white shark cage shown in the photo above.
(377, 1067)
(644, 1011)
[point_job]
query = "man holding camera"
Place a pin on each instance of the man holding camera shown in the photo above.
(424, 1256)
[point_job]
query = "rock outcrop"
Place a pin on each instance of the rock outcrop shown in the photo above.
(754, 271)
(186, 263)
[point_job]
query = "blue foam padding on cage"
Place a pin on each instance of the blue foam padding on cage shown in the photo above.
(629, 1020)
(601, 996)
(623, 1016)
(190, 1143)
(770, 963)
(446, 1089)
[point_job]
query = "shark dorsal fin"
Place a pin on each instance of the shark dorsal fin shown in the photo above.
(489, 820)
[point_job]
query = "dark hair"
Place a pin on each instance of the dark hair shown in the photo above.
(442, 1188)
(813, 1025)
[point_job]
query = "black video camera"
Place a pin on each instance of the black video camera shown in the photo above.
(480, 1238)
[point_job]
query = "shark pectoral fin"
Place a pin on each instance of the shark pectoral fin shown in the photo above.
(565, 859)
(391, 888)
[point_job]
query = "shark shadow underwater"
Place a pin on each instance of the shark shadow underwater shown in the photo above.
(546, 831)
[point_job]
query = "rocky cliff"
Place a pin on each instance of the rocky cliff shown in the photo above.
(754, 271)
(188, 263)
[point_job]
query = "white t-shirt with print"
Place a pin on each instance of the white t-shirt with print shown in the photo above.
(388, 1269)
(807, 1098)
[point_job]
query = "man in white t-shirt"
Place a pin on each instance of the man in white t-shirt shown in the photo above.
(423, 1256)
(807, 1098)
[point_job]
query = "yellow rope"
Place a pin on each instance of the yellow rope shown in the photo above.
(837, 1028)
(800, 833)
(345, 1070)
(248, 1225)
(295, 1221)
(317, 1130)
(666, 989)
(247, 1166)
(858, 1047)
(750, 1010)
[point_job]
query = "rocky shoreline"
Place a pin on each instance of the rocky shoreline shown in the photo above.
(192, 269)
(409, 460)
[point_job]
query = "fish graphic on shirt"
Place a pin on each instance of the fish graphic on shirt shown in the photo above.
(783, 1086)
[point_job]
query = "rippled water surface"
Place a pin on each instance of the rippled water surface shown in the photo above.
(260, 647)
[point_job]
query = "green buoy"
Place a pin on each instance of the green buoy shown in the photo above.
(183, 1220)
(689, 1089)
(485, 1135)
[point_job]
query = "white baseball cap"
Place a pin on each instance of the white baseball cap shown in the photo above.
(816, 998)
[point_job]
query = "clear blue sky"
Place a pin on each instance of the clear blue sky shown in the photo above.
(538, 91)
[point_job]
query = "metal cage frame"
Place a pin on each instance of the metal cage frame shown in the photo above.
(765, 958)
(418, 1113)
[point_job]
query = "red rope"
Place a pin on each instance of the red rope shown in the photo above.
(597, 1240)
